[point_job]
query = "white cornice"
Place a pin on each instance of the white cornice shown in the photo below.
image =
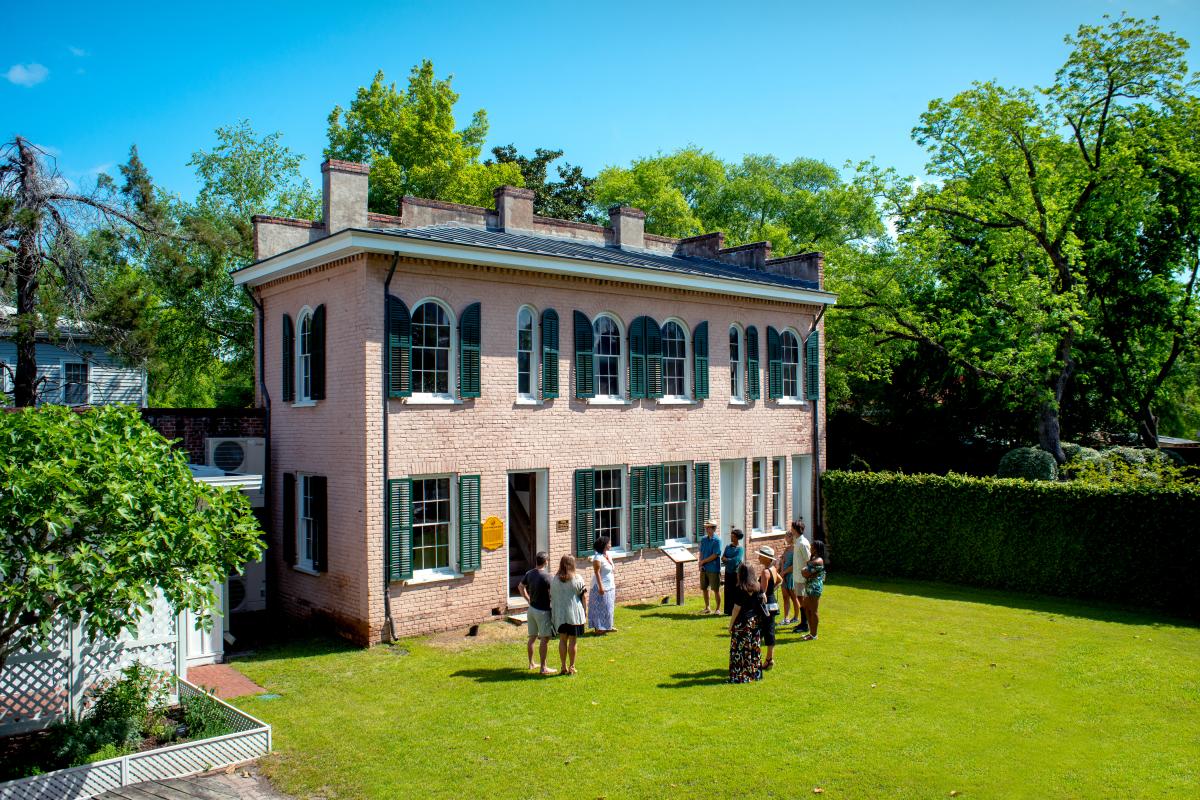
(351, 241)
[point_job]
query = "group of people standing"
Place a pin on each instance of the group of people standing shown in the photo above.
(561, 604)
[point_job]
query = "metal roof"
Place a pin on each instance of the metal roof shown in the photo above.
(586, 251)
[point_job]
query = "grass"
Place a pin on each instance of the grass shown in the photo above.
(913, 690)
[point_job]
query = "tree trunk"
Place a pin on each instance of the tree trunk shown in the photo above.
(1049, 434)
(25, 381)
(1148, 427)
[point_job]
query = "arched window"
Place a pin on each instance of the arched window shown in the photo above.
(304, 345)
(736, 392)
(431, 349)
(607, 356)
(789, 355)
(526, 355)
(674, 360)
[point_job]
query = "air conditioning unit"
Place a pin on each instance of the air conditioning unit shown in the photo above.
(248, 591)
(246, 455)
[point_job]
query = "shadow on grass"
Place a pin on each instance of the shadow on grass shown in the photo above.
(1042, 604)
(679, 614)
(706, 677)
(497, 674)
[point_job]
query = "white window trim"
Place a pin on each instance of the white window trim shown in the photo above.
(622, 514)
(798, 398)
(449, 397)
(620, 397)
(302, 564)
(779, 510)
(6, 381)
(451, 572)
(534, 396)
(689, 505)
(738, 398)
(688, 392)
(762, 496)
(302, 400)
(62, 381)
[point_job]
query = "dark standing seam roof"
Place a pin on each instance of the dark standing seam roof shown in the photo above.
(585, 251)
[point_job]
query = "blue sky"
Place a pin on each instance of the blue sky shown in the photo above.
(605, 81)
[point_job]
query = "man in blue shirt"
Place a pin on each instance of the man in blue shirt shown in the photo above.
(710, 566)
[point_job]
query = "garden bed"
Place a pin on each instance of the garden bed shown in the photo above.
(249, 739)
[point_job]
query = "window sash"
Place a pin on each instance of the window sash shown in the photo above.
(756, 488)
(75, 384)
(607, 358)
(674, 360)
(676, 501)
(431, 346)
(735, 364)
(305, 527)
(432, 524)
(777, 493)
(608, 504)
(526, 358)
(790, 356)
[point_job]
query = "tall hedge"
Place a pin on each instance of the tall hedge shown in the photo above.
(1131, 545)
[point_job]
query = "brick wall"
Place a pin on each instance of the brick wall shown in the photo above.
(191, 426)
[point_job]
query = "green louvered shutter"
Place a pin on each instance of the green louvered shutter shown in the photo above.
(753, 388)
(700, 361)
(287, 351)
(585, 369)
(585, 511)
(774, 365)
(319, 486)
(468, 351)
(289, 518)
(639, 531)
(318, 353)
(654, 503)
(812, 366)
(654, 373)
(549, 354)
(399, 327)
(637, 358)
(469, 531)
(702, 507)
(399, 529)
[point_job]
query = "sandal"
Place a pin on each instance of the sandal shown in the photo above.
(770, 662)
(808, 637)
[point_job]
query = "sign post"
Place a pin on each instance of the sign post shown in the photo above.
(681, 556)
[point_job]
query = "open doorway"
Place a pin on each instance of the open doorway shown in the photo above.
(733, 497)
(802, 488)
(527, 525)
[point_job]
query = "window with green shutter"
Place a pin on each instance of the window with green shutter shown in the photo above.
(639, 529)
(703, 509)
(753, 389)
(470, 532)
(637, 358)
(468, 351)
(774, 365)
(700, 361)
(399, 529)
(585, 376)
(585, 489)
(287, 351)
(399, 328)
(654, 503)
(317, 354)
(812, 366)
(549, 354)
(654, 370)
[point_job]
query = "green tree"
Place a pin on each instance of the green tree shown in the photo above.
(410, 140)
(570, 197)
(97, 511)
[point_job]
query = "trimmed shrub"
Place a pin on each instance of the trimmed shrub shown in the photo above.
(1129, 544)
(1029, 463)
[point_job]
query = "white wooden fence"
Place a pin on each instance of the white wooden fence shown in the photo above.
(39, 687)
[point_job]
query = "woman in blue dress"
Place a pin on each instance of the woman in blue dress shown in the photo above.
(731, 559)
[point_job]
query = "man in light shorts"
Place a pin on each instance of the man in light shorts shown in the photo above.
(535, 588)
(710, 566)
(802, 547)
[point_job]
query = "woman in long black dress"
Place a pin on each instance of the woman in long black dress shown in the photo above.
(745, 650)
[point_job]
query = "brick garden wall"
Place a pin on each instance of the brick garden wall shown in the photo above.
(191, 426)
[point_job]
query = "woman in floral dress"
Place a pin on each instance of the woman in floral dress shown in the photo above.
(745, 650)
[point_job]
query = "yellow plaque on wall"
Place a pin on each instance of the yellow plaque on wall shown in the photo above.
(493, 533)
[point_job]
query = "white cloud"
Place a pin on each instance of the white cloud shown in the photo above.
(27, 74)
(78, 52)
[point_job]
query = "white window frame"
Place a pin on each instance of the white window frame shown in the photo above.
(778, 495)
(758, 496)
(689, 504)
(623, 510)
(609, 399)
(451, 395)
(6, 379)
(304, 550)
(737, 367)
(451, 570)
(533, 396)
(798, 397)
(62, 381)
(303, 361)
(687, 395)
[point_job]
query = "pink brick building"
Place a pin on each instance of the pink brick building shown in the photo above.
(428, 371)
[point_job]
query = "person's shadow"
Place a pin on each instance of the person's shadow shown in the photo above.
(706, 677)
(497, 675)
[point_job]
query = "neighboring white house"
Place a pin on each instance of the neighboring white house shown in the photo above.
(71, 368)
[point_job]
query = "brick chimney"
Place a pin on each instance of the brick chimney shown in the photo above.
(628, 227)
(344, 191)
(514, 208)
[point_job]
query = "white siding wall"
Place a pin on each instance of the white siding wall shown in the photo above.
(110, 381)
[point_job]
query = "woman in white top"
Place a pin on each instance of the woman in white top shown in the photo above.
(603, 597)
(566, 610)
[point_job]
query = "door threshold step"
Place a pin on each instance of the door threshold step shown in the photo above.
(517, 619)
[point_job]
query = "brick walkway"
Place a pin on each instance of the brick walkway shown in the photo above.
(225, 679)
(242, 783)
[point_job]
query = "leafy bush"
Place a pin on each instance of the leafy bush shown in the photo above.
(1029, 463)
(73, 742)
(1130, 544)
(1076, 452)
(204, 717)
(1112, 473)
(138, 696)
(106, 752)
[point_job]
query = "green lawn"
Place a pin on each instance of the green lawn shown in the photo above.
(913, 690)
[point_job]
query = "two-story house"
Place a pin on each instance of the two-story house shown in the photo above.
(453, 388)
